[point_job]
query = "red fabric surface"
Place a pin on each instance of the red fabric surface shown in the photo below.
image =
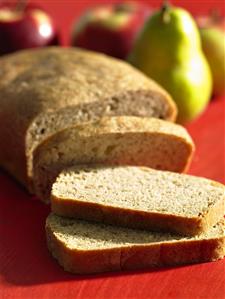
(28, 270)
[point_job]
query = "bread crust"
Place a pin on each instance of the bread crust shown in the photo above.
(135, 256)
(34, 83)
(153, 221)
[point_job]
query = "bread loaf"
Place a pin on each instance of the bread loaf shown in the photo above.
(83, 248)
(44, 90)
(123, 140)
(139, 197)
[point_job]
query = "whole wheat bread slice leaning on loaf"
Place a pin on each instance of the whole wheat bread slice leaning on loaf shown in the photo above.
(139, 197)
(83, 248)
(123, 140)
(44, 90)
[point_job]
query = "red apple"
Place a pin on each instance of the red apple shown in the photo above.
(110, 29)
(25, 27)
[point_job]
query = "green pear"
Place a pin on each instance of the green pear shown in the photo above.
(169, 51)
(213, 44)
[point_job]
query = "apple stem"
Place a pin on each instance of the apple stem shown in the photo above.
(20, 5)
(165, 11)
(123, 7)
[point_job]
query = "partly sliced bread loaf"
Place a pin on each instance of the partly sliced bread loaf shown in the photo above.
(45, 90)
(112, 140)
(82, 247)
(139, 197)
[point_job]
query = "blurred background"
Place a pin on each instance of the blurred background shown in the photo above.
(65, 12)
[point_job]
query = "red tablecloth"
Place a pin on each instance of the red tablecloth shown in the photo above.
(28, 270)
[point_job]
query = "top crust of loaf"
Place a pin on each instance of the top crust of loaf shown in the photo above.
(53, 78)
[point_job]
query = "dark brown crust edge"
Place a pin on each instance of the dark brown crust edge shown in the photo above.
(189, 226)
(135, 257)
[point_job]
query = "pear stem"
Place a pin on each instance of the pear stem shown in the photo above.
(165, 12)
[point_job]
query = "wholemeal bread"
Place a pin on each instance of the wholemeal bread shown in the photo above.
(112, 140)
(44, 90)
(139, 197)
(82, 247)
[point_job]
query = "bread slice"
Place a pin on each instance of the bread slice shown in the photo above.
(45, 90)
(139, 197)
(84, 248)
(112, 140)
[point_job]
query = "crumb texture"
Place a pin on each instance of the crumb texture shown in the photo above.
(139, 188)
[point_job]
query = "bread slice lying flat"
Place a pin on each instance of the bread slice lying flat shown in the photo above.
(44, 90)
(119, 140)
(82, 247)
(139, 197)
